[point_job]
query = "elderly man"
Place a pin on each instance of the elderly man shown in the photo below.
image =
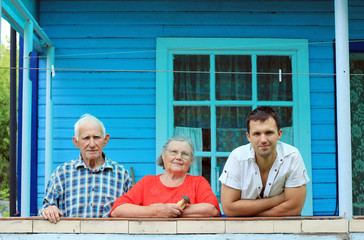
(87, 186)
(265, 177)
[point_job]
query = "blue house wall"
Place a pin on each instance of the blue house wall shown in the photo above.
(99, 43)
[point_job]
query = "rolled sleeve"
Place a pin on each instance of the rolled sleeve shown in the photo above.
(298, 176)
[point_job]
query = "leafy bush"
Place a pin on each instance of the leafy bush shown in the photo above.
(4, 122)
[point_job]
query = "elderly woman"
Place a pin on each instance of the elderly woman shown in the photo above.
(156, 196)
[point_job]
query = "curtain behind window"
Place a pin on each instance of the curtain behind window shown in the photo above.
(357, 129)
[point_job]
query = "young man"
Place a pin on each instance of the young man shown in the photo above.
(87, 186)
(265, 177)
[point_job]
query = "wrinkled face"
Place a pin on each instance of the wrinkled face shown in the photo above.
(264, 136)
(90, 141)
(178, 157)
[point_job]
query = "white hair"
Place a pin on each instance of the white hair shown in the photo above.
(94, 119)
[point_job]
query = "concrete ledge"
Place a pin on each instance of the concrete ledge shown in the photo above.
(325, 226)
(17, 226)
(105, 227)
(180, 226)
(357, 225)
(66, 226)
(198, 227)
(152, 227)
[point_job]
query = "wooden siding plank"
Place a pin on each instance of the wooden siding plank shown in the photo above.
(191, 5)
(323, 161)
(322, 84)
(128, 156)
(324, 175)
(181, 18)
(104, 65)
(323, 115)
(65, 123)
(114, 143)
(116, 133)
(325, 207)
(78, 82)
(323, 100)
(99, 31)
(322, 146)
(139, 111)
(106, 43)
(324, 190)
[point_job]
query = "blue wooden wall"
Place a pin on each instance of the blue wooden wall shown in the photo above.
(121, 35)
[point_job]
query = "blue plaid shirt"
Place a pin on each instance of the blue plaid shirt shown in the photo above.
(79, 191)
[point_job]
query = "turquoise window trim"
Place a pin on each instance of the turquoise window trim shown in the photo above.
(296, 48)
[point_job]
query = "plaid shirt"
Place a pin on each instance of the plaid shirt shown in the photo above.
(79, 191)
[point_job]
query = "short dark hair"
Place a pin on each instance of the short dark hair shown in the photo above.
(262, 114)
(172, 139)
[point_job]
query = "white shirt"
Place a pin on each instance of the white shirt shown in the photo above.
(242, 172)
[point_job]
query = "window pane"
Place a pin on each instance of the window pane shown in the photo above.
(357, 130)
(269, 86)
(189, 86)
(193, 121)
(285, 114)
(231, 127)
(220, 162)
(230, 86)
(206, 168)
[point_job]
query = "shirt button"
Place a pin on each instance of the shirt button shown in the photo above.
(275, 170)
(270, 184)
(256, 172)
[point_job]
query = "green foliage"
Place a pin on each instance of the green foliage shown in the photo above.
(4, 121)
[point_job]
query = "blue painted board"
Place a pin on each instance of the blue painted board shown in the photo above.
(323, 161)
(65, 123)
(323, 146)
(193, 18)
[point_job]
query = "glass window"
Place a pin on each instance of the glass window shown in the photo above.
(208, 91)
(233, 77)
(233, 82)
(272, 87)
(190, 83)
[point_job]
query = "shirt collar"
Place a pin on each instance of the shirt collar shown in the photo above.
(80, 163)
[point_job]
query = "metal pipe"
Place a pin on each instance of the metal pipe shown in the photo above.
(343, 108)
(49, 116)
(13, 123)
(28, 17)
(26, 121)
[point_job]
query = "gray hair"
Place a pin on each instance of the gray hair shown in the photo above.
(94, 119)
(172, 139)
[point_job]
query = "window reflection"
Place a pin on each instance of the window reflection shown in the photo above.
(270, 88)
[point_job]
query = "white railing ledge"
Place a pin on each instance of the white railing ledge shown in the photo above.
(180, 226)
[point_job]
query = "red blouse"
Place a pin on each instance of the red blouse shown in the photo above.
(150, 190)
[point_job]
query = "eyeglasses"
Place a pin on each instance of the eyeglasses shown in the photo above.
(175, 153)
